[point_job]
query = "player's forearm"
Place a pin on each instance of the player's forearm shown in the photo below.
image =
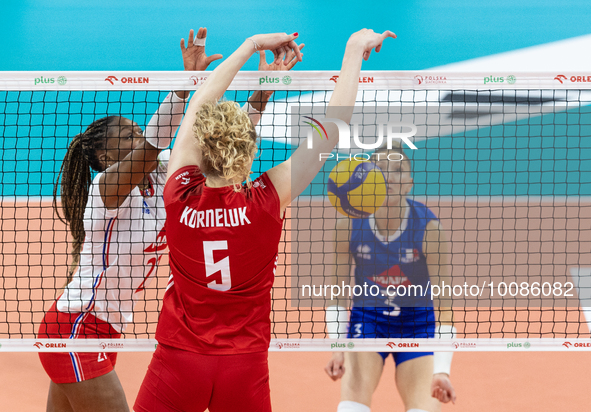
(219, 80)
(256, 105)
(120, 179)
(182, 94)
(259, 100)
(345, 92)
(167, 119)
(347, 86)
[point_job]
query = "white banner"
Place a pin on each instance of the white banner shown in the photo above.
(315, 345)
(293, 80)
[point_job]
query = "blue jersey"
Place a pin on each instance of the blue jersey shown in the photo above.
(399, 261)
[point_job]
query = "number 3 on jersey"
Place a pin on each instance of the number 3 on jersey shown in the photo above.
(223, 266)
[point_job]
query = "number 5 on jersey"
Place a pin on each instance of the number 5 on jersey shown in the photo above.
(223, 265)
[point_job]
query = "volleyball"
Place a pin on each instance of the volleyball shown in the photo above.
(356, 188)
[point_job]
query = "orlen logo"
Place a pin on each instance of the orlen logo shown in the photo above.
(408, 345)
(577, 345)
(141, 80)
(39, 345)
(361, 79)
(574, 79)
(393, 345)
(111, 79)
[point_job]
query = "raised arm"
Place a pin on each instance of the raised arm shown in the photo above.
(258, 101)
(305, 164)
(121, 176)
(167, 119)
(186, 152)
(194, 57)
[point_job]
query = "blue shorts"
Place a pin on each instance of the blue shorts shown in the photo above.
(412, 323)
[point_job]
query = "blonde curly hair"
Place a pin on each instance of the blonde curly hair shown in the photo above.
(227, 140)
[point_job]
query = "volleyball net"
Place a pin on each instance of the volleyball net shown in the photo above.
(501, 159)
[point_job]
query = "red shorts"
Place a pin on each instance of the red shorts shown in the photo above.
(179, 380)
(69, 367)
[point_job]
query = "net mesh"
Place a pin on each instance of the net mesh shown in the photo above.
(503, 168)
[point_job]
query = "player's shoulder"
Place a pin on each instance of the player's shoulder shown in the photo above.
(261, 184)
(262, 191)
(94, 193)
(183, 182)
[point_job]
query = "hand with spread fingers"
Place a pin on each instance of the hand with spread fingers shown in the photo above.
(194, 57)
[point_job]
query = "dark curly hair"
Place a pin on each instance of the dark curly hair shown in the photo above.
(76, 177)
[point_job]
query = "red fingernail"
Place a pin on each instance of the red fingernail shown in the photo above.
(296, 34)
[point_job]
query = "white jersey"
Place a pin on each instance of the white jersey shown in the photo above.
(121, 252)
(123, 246)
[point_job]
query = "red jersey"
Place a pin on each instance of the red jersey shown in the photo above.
(223, 250)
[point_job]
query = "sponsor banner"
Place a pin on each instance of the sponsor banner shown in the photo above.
(77, 345)
(314, 345)
(293, 80)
